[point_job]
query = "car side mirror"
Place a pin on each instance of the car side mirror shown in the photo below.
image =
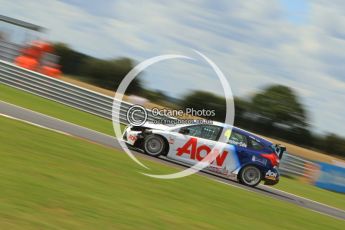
(184, 131)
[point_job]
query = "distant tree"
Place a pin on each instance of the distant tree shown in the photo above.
(154, 95)
(70, 60)
(109, 73)
(104, 73)
(276, 112)
(279, 105)
(241, 108)
(334, 144)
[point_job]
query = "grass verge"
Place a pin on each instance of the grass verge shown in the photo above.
(52, 181)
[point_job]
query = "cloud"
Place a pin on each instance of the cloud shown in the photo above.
(255, 43)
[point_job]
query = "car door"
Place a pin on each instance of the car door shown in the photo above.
(194, 146)
(240, 142)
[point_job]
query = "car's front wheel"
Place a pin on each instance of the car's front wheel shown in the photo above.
(250, 175)
(154, 145)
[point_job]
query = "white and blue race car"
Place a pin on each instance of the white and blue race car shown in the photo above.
(243, 156)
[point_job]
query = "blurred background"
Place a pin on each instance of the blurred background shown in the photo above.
(283, 59)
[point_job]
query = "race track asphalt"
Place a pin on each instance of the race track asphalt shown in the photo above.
(110, 141)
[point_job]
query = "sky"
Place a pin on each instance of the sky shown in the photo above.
(297, 43)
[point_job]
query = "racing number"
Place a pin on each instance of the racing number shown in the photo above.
(227, 134)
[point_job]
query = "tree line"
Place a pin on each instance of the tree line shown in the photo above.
(107, 74)
(276, 111)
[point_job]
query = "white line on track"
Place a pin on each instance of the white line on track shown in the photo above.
(322, 213)
(50, 117)
(291, 194)
(34, 124)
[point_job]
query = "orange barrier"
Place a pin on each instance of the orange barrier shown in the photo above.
(31, 56)
(50, 71)
(26, 62)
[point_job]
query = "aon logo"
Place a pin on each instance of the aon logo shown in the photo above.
(270, 174)
(195, 152)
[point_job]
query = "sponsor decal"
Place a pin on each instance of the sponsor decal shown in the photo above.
(271, 175)
(262, 161)
(238, 143)
(219, 170)
(132, 138)
(195, 152)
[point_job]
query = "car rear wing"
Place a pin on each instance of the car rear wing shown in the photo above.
(279, 150)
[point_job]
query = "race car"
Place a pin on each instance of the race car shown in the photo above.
(243, 156)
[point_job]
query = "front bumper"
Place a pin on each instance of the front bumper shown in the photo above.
(129, 136)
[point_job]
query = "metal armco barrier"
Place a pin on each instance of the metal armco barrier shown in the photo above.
(8, 50)
(101, 105)
(296, 166)
(63, 92)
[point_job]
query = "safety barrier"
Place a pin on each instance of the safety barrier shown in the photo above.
(65, 93)
(296, 166)
(331, 177)
(8, 50)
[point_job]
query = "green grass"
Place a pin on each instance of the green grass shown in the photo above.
(52, 181)
(63, 112)
(55, 109)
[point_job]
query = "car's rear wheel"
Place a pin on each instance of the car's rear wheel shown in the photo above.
(154, 145)
(250, 175)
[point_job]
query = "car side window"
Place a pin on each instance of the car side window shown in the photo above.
(255, 145)
(194, 130)
(209, 132)
(238, 139)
